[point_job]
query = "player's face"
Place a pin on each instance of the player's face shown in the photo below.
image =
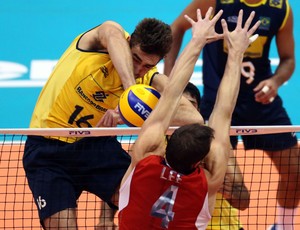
(143, 62)
(191, 99)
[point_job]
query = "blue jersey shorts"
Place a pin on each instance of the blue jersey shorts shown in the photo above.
(58, 172)
(248, 112)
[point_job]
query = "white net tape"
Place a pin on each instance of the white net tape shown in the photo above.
(85, 132)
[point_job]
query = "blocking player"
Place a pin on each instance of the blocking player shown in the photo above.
(164, 187)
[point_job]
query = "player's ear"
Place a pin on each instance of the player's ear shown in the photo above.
(128, 38)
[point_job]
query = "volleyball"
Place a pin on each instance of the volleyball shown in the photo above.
(136, 104)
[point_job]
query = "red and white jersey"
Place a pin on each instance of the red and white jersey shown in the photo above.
(155, 196)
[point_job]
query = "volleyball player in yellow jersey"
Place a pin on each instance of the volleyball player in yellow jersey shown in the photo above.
(225, 215)
(83, 91)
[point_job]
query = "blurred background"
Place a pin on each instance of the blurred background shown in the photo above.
(35, 33)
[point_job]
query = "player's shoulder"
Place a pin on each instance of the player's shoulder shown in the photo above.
(111, 23)
(159, 81)
(109, 26)
(219, 149)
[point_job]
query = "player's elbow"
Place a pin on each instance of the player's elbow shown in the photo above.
(245, 199)
(240, 199)
(244, 204)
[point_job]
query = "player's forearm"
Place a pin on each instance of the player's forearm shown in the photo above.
(184, 66)
(179, 77)
(284, 71)
(230, 83)
(285, 44)
(226, 97)
(120, 54)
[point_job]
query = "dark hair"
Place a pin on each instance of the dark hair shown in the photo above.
(153, 36)
(194, 92)
(187, 146)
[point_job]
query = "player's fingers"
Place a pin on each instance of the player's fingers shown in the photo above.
(250, 79)
(214, 38)
(100, 123)
(217, 16)
(265, 89)
(208, 13)
(253, 38)
(253, 28)
(224, 26)
(240, 19)
(189, 19)
(199, 15)
(249, 20)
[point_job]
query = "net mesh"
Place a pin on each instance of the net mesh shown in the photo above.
(18, 210)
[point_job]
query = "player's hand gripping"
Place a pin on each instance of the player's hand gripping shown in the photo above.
(111, 118)
(266, 91)
(205, 28)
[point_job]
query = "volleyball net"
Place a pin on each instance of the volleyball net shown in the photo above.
(18, 210)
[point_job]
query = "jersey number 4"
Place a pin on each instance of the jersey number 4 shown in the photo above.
(163, 207)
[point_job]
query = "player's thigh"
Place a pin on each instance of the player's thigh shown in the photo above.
(48, 177)
(65, 219)
(286, 161)
(53, 191)
(270, 142)
(269, 115)
(104, 168)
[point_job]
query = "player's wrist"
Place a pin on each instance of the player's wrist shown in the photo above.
(235, 55)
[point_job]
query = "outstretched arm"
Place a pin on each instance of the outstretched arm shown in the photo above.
(220, 119)
(151, 137)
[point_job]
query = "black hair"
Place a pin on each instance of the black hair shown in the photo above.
(153, 36)
(194, 92)
(187, 146)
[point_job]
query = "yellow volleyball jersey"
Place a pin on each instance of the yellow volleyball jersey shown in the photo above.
(224, 217)
(81, 88)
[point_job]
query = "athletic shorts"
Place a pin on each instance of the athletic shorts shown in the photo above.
(58, 172)
(251, 113)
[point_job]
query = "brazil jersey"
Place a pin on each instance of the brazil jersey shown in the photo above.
(272, 14)
(81, 88)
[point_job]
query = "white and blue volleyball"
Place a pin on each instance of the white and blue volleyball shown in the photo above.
(136, 104)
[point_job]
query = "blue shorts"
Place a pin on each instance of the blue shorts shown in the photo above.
(248, 112)
(58, 172)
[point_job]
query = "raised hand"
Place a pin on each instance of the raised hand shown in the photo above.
(204, 29)
(241, 37)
